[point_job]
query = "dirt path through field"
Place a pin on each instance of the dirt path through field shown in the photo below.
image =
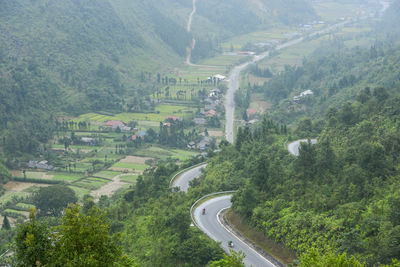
(110, 188)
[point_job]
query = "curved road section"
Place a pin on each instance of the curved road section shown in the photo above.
(210, 224)
(183, 180)
(294, 146)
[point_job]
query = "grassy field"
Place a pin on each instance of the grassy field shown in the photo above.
(129, 178)
(8, 196)
(25, 206)
(131, 166)
(17, 212)
(91, 183)
(107, 174)
(79, 191)
(161, 111)
(274, 34)
(162, 153)
(64, 176)
(330, 11)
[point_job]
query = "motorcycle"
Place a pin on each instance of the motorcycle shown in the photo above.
(230, 244)
(204, 211)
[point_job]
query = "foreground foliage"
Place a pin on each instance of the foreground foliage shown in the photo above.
(81, 240)
(342, 193)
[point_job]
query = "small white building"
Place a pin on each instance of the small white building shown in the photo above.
(302, 95)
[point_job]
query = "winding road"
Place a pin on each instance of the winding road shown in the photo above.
(210, 224)
(182, 181)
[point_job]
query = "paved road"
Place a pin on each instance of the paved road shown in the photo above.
(210, 224)
(183, 180)
(234, 77)
(294, 146)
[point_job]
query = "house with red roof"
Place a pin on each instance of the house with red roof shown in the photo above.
(114, 124)
(211, 113)
(251, 113)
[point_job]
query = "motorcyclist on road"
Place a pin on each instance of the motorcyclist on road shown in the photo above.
(204, 211)
(230, 244)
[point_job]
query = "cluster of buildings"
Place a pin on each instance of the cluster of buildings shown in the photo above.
(309, 26)
(204, 143)
(44, 165)
(211, 103)
(117, 124)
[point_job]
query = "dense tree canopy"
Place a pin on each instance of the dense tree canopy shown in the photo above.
(51, 201)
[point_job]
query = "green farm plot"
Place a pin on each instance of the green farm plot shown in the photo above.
(8, 196)
(91, 183)
(35, 175)
(107, 174)
(171, 109)
(17, 213)
(129, 178)
(81, 167)
(331, 11)
(25, 206)
(182, 154)
(258, 37)
(80, 191)
(223, 60)
(65, 176)
(131, 166)
(82, 149)
(162, 153)
(149, 124)
(161, 111)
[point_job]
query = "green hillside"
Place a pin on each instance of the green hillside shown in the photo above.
(81, 56)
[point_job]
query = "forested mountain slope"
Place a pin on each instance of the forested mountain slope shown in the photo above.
(336, 74)
(341, 194)
(79, 56)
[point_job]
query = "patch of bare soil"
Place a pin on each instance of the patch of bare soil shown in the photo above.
(136, 160)
(16, 173)
(110, 188)
(125, 170)
(13, 221)
(47, 177)
(20, 186)
(216, 133)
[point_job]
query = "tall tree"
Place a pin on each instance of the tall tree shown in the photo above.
(84, 240)
(51, 200)
(6, 224)
(32, 243)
